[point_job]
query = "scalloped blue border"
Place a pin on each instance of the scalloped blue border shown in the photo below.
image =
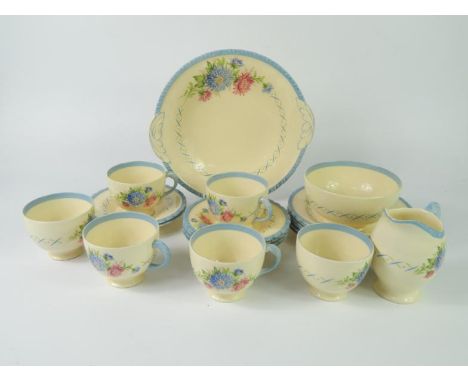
(276, 238)
(246, 53)
(168, 219)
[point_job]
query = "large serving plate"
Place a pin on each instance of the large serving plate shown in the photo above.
(231, 110)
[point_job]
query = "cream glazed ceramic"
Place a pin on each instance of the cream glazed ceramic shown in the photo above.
(227, 258)
(139, 186)
(349, 193)
(54, 222)
(231, 110)
(167, 210)
(297, 208)
(410, 248)
(121, 246)
(274, 231)
(238, 197)
(333, 259)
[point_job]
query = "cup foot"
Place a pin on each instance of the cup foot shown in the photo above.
(327, 296)
(401, 298)
(126, 283)
(67, 255)
(227, 297)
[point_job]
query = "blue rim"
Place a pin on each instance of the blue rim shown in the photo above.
(137, 163)
(59, 195)
(340, 228)
(367, 166)
(168, 218)
(237, 174)
(118, 215)
(431, 231)
(239, 52)
(278, 237)
(227, 227)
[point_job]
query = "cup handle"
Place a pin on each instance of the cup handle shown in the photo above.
(276, 252)
(434, 207)
(174, 179)
(267, 205)
(165, 251)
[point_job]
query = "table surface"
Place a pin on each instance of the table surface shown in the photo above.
(77, 97)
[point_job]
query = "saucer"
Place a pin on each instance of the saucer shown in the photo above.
(167, 210)
(297, 207)
(274, 230)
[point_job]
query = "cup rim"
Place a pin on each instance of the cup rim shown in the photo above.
(363, 165)
(224, 227)
(237, 174)
(337, 227)
(54, 196)
(118, 215)
(134, 164)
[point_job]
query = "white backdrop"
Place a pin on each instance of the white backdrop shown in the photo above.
(77, 96)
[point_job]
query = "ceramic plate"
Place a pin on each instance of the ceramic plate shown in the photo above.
(231, 110)
(167, 210)
(297, 208)
(274, 230)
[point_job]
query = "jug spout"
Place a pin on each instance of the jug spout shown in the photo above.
(434, 207)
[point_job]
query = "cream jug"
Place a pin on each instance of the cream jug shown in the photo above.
(410, 247)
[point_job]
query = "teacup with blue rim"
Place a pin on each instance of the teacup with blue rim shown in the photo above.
(227, 258)
(138, 186)
(54, 222)
(238, 197)
(122, 246)
(333, 259)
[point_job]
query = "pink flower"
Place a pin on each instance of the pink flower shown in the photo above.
(227, 216)
(152, 199)
(205, 96)
(208, 285)
(243, 84)
(241, 284)
(125, 204)
(115, 270)
(429, 274)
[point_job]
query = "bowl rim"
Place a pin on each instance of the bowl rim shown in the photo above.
(363, 165)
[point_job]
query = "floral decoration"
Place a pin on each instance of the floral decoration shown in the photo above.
(433, 264)
(79, 230)
(355, 278)
(225, 279)
(223, 74)
(220, 208)
(106, 263)
(138, 197)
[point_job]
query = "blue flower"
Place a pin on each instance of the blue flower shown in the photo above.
(439, 259)
(267, 88)
(214, 208)
(136, 269)
(222, 202)
(219, 78)
(98, 263)
(361, 275)
(238, 272)
(148, 189)
(108, 256)
(237, 62)
(136, 198)
(221, 280)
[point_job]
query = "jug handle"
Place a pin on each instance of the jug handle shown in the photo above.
(434, 207)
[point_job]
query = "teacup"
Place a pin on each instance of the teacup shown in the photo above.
(122, 246)
(54, 222)
(227, 258)
(333, 259)
(138, 186)
(349, 193)
(238, 197)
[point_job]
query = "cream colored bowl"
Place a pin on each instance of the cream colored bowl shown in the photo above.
(350, 193)
(333, 259)
(54, 222)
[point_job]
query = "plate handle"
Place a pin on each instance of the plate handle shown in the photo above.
(156, 137)
(307, 124)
